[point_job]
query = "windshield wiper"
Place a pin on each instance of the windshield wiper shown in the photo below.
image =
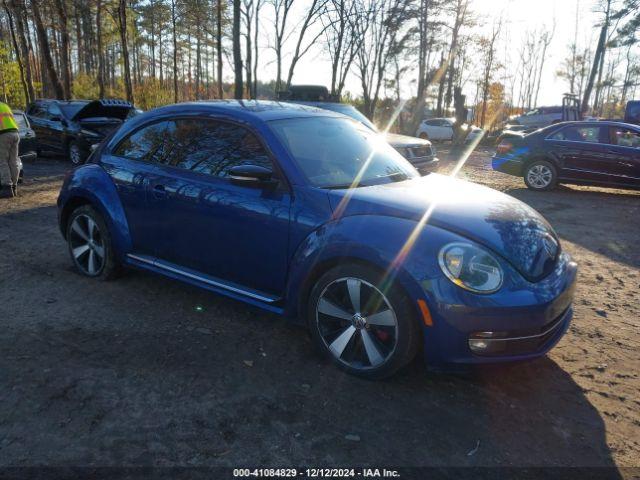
(342, 186)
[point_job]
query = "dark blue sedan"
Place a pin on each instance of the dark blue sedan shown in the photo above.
(309, 214)
(584, 153)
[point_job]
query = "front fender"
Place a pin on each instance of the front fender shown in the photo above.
(91, 184)
(386, 243)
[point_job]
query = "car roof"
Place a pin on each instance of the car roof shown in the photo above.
(597, 123)
(262, 110)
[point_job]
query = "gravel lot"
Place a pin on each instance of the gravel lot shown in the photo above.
(147, 371)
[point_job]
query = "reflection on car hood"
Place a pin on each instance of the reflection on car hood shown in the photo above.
(502, 223)
(397, 140)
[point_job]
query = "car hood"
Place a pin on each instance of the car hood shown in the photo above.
(398, 140)
(498, 221)
(118, 109)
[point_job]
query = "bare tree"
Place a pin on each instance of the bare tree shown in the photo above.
(19, 59)
(379, 30)
(65, 53)
(598, 58)
(101, 71)
(237, 50)
(174, 20)
(314, 12)
(488, 46)
(282, 13)
(218, 46)
(342, 40)
(45, 51)
(124, 45)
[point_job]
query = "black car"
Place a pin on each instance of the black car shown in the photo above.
(585, 153)
(72, 127)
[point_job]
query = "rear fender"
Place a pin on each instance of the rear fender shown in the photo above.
(90, 184)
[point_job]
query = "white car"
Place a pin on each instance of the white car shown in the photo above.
(442, 129)
(436, 129)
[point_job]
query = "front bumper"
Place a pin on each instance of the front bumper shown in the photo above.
(520, 323)
(426, 164)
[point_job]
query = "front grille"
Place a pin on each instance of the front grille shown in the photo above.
(421, 151)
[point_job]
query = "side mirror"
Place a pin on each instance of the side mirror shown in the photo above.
(251, 175)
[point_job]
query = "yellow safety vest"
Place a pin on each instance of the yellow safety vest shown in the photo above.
(7, 123)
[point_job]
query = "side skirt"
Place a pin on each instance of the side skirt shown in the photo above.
(198, 279)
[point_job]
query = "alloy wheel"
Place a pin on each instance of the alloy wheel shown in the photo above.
(357, 323)
(540, 176)
(87, 245)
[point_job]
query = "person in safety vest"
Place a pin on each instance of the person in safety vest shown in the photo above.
(9, 140)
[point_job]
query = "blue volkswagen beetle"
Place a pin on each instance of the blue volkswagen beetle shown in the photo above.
(309, 214)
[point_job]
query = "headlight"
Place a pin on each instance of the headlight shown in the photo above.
(470, 267)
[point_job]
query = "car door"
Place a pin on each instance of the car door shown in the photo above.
(582, 152)
(38, 117)
(55, 127)
(624, 154)
(207, 223)
(130, 163)
(446, 128)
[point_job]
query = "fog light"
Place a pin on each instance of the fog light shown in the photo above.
(478, 346)
(486, 342)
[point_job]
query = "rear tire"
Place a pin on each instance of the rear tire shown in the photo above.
(424, 136)
(366, 329)
(541, 175)
(90, 244)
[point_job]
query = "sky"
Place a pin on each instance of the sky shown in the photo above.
(518, 17)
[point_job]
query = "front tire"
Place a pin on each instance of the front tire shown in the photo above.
(90, 244)
(541, 175)
(366, 328)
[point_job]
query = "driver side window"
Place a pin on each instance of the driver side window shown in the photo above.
(212, 147)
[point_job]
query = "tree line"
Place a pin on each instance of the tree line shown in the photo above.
(154, 52)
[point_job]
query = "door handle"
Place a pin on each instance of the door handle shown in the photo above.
(159, 191)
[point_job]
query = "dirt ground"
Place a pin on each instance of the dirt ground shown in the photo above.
(147, 371)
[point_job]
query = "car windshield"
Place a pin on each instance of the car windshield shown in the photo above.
(71, 108)
(21, 121)
(340, 153)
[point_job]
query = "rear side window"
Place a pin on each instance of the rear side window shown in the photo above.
(146, 144)
(625, 137)
(212, 147)
(588, 134)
